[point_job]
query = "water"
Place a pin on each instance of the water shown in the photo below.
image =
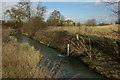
(71, 66)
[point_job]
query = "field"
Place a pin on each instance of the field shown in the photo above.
(109, 31)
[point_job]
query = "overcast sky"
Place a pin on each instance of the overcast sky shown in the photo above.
(77, 11)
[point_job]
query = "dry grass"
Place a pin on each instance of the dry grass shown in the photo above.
(109, 31)
(89, 48)
(19, 60)
(0, 51)
(6, 31)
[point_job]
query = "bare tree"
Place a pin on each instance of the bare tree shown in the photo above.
(90, 22)
(25, 5)
(55, 18)
(114, 6)
(40, 10)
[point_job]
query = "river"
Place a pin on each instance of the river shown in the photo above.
(70, 65)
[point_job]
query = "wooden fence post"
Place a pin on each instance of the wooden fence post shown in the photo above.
(68, 49)
(77, 36)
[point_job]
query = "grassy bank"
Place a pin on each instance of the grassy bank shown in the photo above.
(20, 60)
(101, 54)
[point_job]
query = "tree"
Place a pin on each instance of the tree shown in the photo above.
(20, 11)
(114, 6)
(55, 18)
(23, 11)
(78, 24)
(40, 10)
(16, 14)
(25, 5)
(55, 15)
(35, 24)
(91, 22)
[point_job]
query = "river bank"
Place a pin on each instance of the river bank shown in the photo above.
(69, 67)
(98, 58)
(21, 60)
(24, 57)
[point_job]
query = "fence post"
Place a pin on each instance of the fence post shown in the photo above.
(68, 49)
(77, 36)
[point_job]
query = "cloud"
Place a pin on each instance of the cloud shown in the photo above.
(47, 14)
(97, 3)
(109, 0)
(8, 5)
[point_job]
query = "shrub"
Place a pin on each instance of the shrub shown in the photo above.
(32, 26)
(91, 22)
(13, 25)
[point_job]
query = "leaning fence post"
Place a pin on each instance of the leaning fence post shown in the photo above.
(68, 48)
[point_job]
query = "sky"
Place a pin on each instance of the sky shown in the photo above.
(76, 11)
(81, 11)
(61, 0)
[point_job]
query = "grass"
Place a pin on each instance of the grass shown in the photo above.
(19, 60)
(105, 65)
(22, 61)
(108, 31)
(98, 44)
(96, 57)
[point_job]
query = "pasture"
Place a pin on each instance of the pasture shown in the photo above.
(109, 31)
